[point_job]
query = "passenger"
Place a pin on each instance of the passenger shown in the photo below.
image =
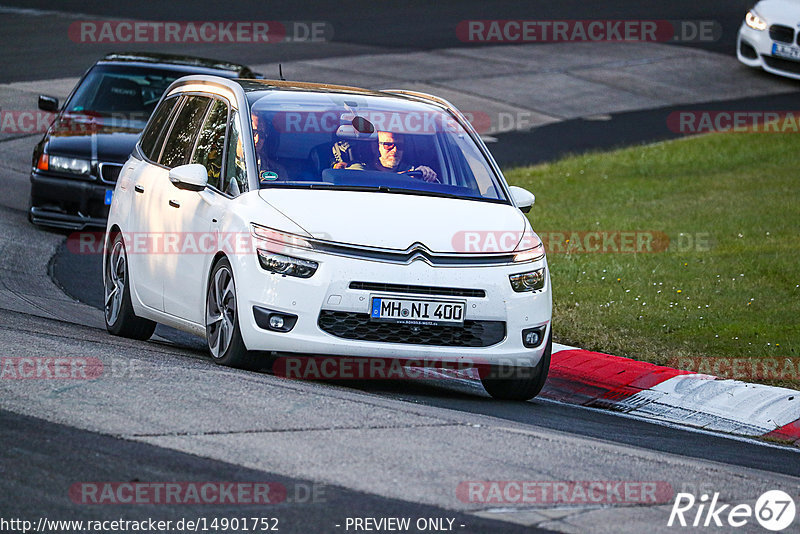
(266, 142)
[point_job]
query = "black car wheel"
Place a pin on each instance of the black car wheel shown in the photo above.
(119, 315)
(508, 382)
(223, 336)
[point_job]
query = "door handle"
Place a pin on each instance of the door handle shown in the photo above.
(174, 204)
(138, 188)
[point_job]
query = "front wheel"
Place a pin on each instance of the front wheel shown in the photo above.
(223, 336)
(119, 315)
(508, 382)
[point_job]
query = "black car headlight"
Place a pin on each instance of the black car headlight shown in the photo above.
(530, 281)
(68, 165)
(287, 265)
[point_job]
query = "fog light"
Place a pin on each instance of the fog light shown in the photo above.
(276, 322)
(532, 337)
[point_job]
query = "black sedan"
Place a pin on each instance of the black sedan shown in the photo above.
(76, 163)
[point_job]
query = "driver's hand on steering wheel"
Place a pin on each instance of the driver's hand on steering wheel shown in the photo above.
(428, 174)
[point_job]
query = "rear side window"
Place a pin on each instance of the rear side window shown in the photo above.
(153, 135)
(181, 137)
(211, 142)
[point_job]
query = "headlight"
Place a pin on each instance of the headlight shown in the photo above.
(754, 21)
(64, 164)
(287, 265)
(530, 281)
(281, 238)
(529, 248)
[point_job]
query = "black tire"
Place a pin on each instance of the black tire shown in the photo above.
(118, 310)
(223, 335)
(506, 382)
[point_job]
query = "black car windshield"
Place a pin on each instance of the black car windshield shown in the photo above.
(353, 141)
(126, 92)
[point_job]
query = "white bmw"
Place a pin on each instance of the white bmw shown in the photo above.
(770, 37)
(280, 217)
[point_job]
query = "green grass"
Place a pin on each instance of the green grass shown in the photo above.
(734, 296)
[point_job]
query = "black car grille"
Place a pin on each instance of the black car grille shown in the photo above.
(109, 172)
(419, 290)
(786, 65)
(780, 33)
(358, 326)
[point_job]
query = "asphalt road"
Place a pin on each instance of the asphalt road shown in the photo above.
(381, 449)
(299, 506)
(39, 48)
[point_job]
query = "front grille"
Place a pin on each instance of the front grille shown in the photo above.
(109, 172)
(780, 33)
(415, 251)
(420, 290)
(782, 64)
(358, 326)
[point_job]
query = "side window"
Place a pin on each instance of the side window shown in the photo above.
(235, 169)
(181, 137)
(153, 135)
(211, 142)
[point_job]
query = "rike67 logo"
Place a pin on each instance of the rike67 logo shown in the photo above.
(774, 510)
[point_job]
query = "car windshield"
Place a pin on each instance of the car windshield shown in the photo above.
(121, 91)
(370, 142)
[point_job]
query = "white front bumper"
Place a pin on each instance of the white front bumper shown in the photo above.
(761, 42)
(328, 289)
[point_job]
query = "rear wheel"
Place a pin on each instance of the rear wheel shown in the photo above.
(119, 315)
(508, 382)
(223, 336)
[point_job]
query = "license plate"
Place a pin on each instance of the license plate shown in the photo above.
(109, 196)
(415, 311)
(791, 52)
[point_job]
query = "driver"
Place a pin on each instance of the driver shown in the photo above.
(390, 158)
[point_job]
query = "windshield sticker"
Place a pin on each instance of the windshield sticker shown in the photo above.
(267, 176)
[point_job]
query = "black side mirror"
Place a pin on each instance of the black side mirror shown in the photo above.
(48, 103)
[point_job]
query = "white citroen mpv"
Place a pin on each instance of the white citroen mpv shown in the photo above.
(280, 217)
